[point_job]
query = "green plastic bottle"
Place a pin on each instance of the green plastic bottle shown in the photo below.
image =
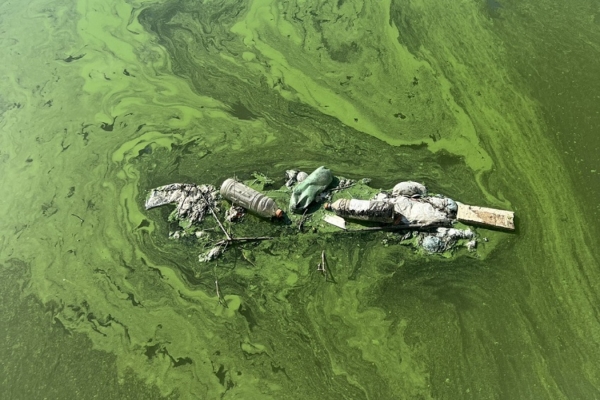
(306, 191)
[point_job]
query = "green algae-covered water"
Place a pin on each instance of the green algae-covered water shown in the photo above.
(493, 103)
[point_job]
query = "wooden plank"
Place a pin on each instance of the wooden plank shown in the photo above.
(486, 216)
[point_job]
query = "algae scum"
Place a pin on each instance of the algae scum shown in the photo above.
(487, 102)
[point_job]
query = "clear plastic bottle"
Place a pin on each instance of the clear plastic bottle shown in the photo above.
(250, 199)
(366, 210)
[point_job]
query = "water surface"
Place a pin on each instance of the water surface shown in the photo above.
(489, 102)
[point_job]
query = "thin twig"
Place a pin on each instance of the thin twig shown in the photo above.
(79, 218)
(338, 188)
(219, 222)
(217, 218)
(243, 239)
(246, 258)
(301, 222)
(221, 301)
(323, 263)
(322, 266)
(402, 227)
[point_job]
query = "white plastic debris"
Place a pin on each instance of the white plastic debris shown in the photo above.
(472, 245)
(433, 244)
(445, 238)
(452, 233)
(210, 255)
(293, 176)
(335, 221)
(409, 188)
(301, 176)
(418, 211)
(235, 213)
(192, 201)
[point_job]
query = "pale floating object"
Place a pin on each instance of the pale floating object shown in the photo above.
(335, 221)
(366, 210)
(409, 188)
(212, 254)
(486, 216)
(301, 176)
(250, 199)
(192, 201)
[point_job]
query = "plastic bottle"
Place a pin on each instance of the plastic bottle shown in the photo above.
(250, 199)
(366, 210)
(306, 191)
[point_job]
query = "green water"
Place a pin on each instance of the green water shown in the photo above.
(493, 103)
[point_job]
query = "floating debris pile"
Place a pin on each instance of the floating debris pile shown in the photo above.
(192, 202)
(444, 239)
(407, 212)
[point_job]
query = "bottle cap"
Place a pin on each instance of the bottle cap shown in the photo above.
(279, 213)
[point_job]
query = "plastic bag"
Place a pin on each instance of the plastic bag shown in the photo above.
(306, 191)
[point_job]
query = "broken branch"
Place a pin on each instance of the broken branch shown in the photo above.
(221, 301)
(301, 222)
(403, 227)
(79, 218)
(321, 267)
(210, 207)
(242, 239)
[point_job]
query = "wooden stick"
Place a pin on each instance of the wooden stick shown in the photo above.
(221, 301)
(219, 222)
(243, 239)
(338, 188)
(246, 258)
(217, 218)
(323, 264)
(321, 267)
(79, 218)
(402, 227)
(301, 222)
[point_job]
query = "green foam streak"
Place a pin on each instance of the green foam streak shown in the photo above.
(198, 92)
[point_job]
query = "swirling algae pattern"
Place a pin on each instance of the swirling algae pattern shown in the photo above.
(103, 100)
